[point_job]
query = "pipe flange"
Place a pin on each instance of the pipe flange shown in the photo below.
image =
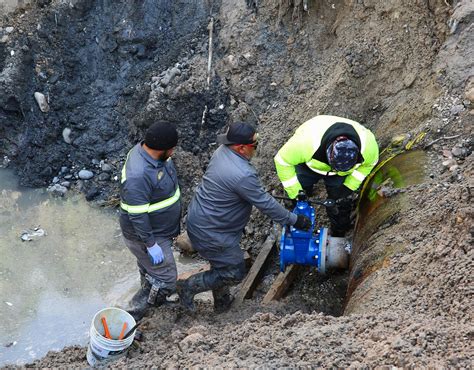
(323, 239)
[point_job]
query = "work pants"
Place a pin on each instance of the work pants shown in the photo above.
(340, 216)
(164, 272)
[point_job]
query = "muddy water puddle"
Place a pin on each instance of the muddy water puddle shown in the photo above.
(52, 285)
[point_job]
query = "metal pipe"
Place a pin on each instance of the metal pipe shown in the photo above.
(337, 256)
(381, 203)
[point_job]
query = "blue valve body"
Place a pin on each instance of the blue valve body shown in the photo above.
(301, 247)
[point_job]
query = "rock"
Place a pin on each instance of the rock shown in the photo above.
(449, 163)
(459, 152)
(447, 153)
(455, 110)
(169, 76)
(398, 343)
(9, 29)
(53, 79)
(42, 102)
(104, 176)
(105, 167)
(57, 189)
(249, 230)
(250, 58)
(3, 39)
(409, 79)
(5, 161)
(67, 135)
(175, 71)
(85, 174)
(190, 341)
(66, 184)
(55, 180)
(232, 62)
(92, 193)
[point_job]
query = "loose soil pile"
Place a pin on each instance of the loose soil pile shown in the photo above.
(399, 67)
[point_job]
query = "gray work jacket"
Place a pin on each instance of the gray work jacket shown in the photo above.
(150, 202)
(222, 204)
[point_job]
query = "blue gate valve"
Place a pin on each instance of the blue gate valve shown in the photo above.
(304, 247)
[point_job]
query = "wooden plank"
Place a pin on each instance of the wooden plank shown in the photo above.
(251, 280)
(187, 274)
(281, 284)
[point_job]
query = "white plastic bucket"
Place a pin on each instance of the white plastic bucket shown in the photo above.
(101, 349)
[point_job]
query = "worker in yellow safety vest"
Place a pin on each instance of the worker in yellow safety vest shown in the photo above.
(338, 150)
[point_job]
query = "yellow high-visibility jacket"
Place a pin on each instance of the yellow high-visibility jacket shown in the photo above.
(308, 145)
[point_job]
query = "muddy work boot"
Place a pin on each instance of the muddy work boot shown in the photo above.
(188, 288)
(139, 303)
(159, 291)
(148, 296)
(222, 299)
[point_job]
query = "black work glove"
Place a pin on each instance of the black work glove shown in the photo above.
(301, 195)
(302, 223)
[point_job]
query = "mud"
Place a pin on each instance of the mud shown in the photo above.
(398, 67)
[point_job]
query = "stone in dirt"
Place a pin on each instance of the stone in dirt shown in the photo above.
(42, 102)
(85, 174)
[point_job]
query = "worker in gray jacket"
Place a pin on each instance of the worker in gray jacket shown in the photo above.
(219, 211)
(150, 211)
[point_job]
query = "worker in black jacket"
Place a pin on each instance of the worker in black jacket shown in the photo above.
(150, 211)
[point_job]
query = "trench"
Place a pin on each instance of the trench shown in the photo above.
(47, 300)
(105, 93)
(97, 95)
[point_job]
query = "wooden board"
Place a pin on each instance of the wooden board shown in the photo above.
(251, 280)
(187, 274)
(281, 284)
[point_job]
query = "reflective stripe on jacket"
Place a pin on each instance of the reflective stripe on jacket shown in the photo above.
(150, 203)
(306, 143)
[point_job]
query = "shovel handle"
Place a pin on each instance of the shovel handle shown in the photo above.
(124, 327)
(106, 328)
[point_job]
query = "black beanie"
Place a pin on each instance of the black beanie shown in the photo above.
(161, 135)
